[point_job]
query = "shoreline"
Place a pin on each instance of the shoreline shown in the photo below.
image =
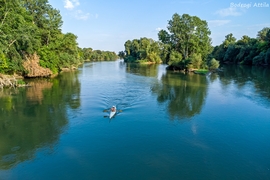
(10, 80)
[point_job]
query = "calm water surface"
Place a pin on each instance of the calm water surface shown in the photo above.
(172, 125)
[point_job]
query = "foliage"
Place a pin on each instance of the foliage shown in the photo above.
(195, 61)
(247, 51)
(142, 50)
(188, 36)
(176, 59)
(97, 55)
(34, 26)
(121, 54)
(213, 64)
(20, 82)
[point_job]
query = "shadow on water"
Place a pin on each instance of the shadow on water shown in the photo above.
(34, 117)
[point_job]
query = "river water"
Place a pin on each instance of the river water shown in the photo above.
(169, 125)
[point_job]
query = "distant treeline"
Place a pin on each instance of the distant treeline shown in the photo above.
(248, 51)
(187, 45)
(97, 55)
(30, 33)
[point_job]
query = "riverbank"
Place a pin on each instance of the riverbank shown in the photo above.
(11, 81)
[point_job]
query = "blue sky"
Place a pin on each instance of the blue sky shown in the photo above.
(108, 24)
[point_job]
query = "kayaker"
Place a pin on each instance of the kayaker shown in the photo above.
(113, 109)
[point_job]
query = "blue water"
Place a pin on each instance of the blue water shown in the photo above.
(171, 125)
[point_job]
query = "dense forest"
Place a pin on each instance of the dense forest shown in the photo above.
(247, 51)
(32, 42)
(187, 46)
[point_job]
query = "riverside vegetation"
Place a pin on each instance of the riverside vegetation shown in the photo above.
(33, 45)
(186, 46)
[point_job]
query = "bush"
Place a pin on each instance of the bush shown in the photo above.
(20, 82)
(196, 61)
(267, 57)
(258, 60)
(213, 64)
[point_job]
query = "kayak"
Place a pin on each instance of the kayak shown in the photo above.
(112, 113)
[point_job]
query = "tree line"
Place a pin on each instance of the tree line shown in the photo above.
(247, 51)
(31, 30)
(186, 45)
(97, 55)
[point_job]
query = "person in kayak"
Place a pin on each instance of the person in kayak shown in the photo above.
(113, 109)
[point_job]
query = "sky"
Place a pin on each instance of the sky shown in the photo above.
(107, 24)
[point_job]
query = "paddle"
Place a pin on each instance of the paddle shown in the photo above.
(106, 110)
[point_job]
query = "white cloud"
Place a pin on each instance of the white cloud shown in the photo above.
(231, 11)
(81, 15)
(78, 14)
(158, 29)
(215, 23)
(71, 4)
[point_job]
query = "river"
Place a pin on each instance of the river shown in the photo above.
(169, 125)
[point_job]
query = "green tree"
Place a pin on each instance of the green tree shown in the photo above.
(142, 50)
(213, 64)
(121, 54)
(195, 61)
(187, 35)
(34, 26)
(229, 39)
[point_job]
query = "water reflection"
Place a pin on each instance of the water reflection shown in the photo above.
(35, 116)
(149, 70)
(251, 81)
(185, 94)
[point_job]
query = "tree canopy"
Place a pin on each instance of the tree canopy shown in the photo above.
(248, 51)
(188, 42)
(34, 26)
(97, 55)
(142, 50)
(31, 30)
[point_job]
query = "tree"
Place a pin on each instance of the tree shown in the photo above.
(195, 61)
(121, 54)
(187, 35)
(263, 34)
(33, 27)
(229, 39)
(213, 64)
(142, 50)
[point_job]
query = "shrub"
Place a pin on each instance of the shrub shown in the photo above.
(213, 64)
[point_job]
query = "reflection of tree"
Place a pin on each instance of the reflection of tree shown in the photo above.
(185, 93)
(34, 117)
(35, 93)
(149, 70)
(243, 75)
